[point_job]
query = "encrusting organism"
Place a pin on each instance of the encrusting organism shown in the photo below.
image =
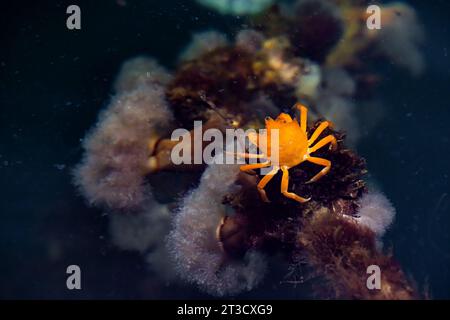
(293, 148)
(196, 247)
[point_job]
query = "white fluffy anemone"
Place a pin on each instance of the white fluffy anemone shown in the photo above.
(112, 172)
(138, 71)
(332, 90)
(145, 232)
(113, 168)
(202, 43)
(401, 37)
(309, 81)
(250, 40)
(140, 231)
(193, 244)
(375, 212)
(208, 41)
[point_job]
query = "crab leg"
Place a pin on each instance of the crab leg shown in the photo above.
(303, 116)
(318, 131)
(247, 167)
(264, 181)
(246, 155)
(285, 184)
(328, 139)
(322, 162)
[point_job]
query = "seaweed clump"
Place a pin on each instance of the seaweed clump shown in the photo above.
(224, 76)
(340, 251)
(230, 78)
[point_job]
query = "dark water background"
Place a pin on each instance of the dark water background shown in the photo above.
(54, 81)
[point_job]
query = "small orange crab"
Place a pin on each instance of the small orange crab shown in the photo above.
(294, 148)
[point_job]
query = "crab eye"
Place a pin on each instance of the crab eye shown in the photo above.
(267, 118)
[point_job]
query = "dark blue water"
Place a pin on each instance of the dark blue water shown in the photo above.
(53, 82)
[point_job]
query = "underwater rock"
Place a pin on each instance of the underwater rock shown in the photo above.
(195, 247)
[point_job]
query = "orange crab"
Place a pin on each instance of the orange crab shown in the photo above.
(294, 147)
